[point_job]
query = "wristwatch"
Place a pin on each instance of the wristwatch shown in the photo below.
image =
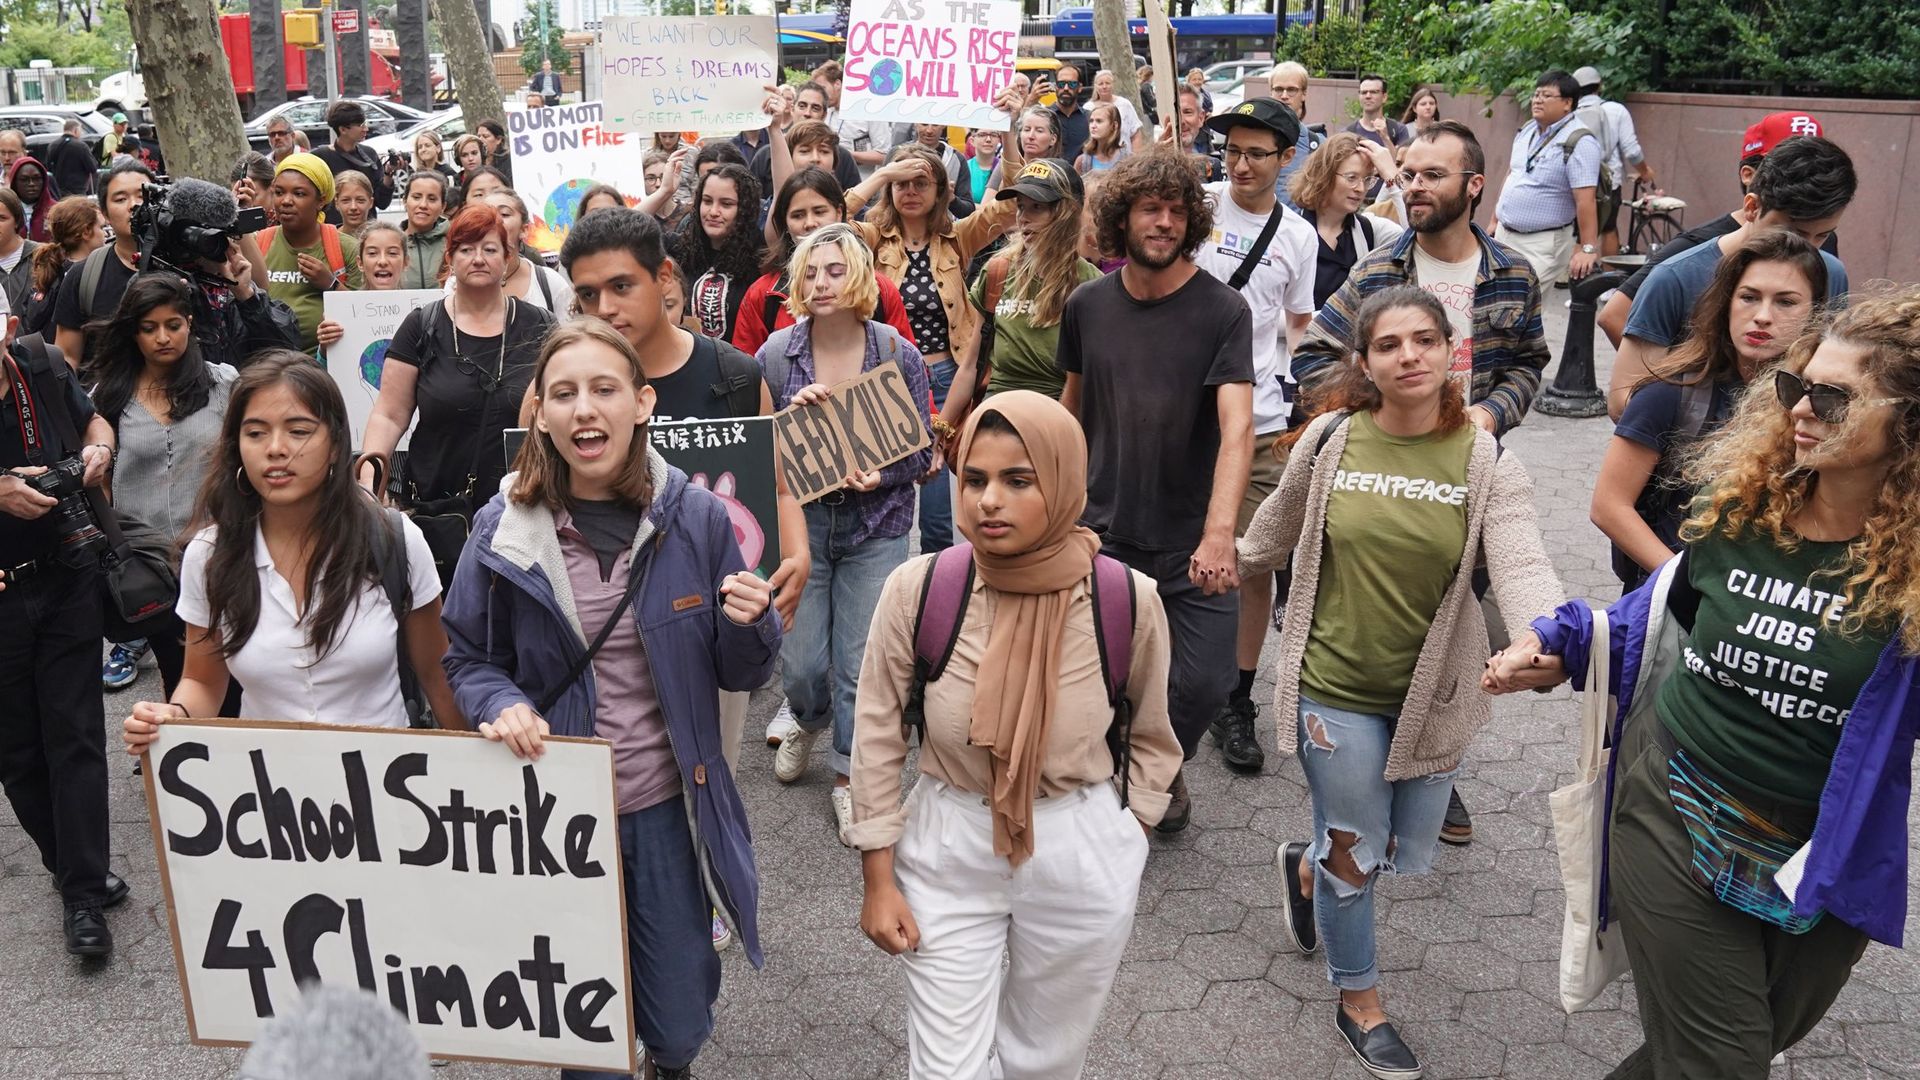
(1586, 249)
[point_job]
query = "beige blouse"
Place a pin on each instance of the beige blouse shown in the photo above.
(1076, 740)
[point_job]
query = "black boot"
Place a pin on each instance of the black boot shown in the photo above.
(1232, 730)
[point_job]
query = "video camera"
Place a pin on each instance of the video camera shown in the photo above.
(183, 222)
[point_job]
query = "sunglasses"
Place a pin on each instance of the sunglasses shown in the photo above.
(1829, 402)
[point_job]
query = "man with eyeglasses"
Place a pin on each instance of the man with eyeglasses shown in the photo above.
(280, 142)
(1066, 106)
(1551, 191)
(1288, 81)
(1268, 253)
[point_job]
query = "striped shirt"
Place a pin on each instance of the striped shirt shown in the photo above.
(1509, 342)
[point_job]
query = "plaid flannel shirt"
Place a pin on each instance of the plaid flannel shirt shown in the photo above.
(1509, 342)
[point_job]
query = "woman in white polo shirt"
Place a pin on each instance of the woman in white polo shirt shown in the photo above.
(283, 589)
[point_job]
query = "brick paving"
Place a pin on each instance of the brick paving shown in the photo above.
(1209, 989)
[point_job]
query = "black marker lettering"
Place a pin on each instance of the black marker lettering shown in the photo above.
(579, 843)
(433, 850)
(207, 840)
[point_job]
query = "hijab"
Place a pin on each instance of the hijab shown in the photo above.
(1012, 713)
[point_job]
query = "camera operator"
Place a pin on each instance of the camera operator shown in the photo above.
(348, 119)
(107, 270)
(53, 761)
(195, 230)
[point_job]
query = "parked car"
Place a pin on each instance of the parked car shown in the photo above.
(309, 114)
(447, 125)
(1227, 72)
(1236, 91)
(42, 124)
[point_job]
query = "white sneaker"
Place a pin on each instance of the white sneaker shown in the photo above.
(790, 761)
(722, 934)
(781, 725)
(843, 812)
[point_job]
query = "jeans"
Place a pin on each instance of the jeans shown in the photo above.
(1397, 824)
(1204, 631)
(53, 747)
(936, 495)
(676, 973)
(820, 657)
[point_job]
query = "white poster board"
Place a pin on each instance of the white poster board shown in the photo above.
(561, 151)
(693, 73)
(930, 61)
(357, 360)
(478, 894)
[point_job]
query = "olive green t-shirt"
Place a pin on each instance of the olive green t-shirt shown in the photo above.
(1396, 529)
(288, 285)
(1023, 354)
(1766, 680)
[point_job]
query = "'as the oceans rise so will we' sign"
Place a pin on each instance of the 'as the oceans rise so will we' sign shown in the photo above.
(476, 893)
(930, 61)
(693, 73)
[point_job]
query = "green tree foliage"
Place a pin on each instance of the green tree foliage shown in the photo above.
(534, 48)
(71, 35)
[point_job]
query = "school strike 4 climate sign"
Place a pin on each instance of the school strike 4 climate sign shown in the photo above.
(867, 423)
(688, 74)
(930, 61)
(478, 894)
(559, 153)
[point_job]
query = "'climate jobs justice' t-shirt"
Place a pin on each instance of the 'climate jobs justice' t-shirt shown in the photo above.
(1768, 680)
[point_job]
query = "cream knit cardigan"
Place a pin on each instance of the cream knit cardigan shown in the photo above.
(1444, 705)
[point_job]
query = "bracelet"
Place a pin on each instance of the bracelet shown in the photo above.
(943, 429)
(184, 714)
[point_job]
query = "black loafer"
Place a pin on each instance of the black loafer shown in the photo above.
(1298, 910)
(117, 890)
(1380, 1051)
(1457, 829)
(1179, 805)
(87, 933)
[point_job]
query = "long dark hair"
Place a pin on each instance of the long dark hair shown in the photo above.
(739, 253)
(814, 179)
(343, 557)
(1707, 354)
(117, 360)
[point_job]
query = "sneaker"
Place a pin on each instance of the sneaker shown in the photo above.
(722, 935)
(1298, 910)
(781, 725)
(122, 665)
(1179, 805)
(1457, 829)
(843, 812)
(1379, 1048)
(1232, 730)
(790, 761)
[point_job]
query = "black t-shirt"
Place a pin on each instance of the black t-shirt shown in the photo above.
(609, 527)
(1147, 371)
(361, 160)
(1073, 131)
(458, 423)
(688, 394)
(1333, 264)
(21, 539)
(114, 277)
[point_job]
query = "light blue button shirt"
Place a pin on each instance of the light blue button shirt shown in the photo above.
(1539, 191)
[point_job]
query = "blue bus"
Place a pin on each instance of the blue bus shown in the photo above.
(1198, 40)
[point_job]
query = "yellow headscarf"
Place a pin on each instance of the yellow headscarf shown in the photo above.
(315, 170)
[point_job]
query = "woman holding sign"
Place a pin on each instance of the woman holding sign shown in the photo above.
(603, 595)
(857, 532)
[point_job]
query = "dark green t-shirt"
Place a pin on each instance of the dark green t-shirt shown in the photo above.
(288, 285)
(1766, 679)
(1023, 354)
(1396, 530)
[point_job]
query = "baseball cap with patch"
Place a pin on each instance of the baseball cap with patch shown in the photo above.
(1046, 180)
(1269, 113)
(1775, 129)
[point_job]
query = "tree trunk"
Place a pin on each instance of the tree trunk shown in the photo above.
(1115, 42)
(356, 75)
(189, 87)
(469, 61)
(416, 78)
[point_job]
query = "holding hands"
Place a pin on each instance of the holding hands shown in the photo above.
(1522, 667)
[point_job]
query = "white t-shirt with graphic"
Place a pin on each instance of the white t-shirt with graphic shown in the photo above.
(1282, 284)
(1451, 283)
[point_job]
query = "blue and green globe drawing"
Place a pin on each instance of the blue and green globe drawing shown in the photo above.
(373, 360)
(886, 77)
(562, 203)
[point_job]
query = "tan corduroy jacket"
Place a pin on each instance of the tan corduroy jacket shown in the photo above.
(1444, 706)
(952, 250)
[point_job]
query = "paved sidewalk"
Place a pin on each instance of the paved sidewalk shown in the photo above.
(1208, 990)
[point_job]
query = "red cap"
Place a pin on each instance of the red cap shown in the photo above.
(1775, 129)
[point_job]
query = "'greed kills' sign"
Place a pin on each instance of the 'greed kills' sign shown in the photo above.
(478, 894)
(869, 422)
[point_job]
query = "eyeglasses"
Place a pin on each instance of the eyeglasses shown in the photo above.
(1257, 157)
(1829, 402)
(1428, 177)
(1545, 95)
(1289, 91)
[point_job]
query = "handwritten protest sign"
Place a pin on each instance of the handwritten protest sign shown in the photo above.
(930, 61)
(692, 73)
(1160, 48)
(478, 894)
(868, 422)
(357, 360)
(733, 458)
(561, 151)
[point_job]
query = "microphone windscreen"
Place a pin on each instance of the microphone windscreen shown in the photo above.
(202, 203)
(337, 1033)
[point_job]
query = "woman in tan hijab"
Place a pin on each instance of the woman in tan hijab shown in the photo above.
(1026, 834)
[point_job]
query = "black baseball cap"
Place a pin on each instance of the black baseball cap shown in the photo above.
(1046, 180)
(1269, 113)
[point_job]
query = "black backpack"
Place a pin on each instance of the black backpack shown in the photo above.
(390, 557)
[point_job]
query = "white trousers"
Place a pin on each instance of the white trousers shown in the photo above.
(1061, 919)
(733, 721)
(1549, 252)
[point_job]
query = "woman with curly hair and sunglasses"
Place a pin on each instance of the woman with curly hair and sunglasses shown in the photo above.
(1766, 676)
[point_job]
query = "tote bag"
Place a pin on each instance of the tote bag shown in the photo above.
(1590, 958)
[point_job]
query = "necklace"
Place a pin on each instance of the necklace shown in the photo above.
(489, 381)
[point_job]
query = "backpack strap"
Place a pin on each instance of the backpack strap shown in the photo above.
(775, 367)
(546, 290)
(1696, 401)
(390, 558)
(770, 305)
(335, 249)
(90, 272)
(936, 627)
(1113, 615)
(740, 376)
(1366, 230)
(997, 268)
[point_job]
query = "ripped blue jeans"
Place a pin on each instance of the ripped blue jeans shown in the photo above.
(1396, 825)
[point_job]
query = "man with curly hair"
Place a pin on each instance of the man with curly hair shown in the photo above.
(1158, 359)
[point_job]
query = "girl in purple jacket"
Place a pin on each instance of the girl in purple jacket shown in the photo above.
(1758, 835)
(602, 595)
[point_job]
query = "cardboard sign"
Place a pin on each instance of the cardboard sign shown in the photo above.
(561, 151)
(733, 458)
(478, 894)
(930, 61)
(1160, 51)
(870, 421)
(356, 361)
(693, 73)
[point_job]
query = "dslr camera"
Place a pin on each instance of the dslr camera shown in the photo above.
(181, 223)
(81, 543)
